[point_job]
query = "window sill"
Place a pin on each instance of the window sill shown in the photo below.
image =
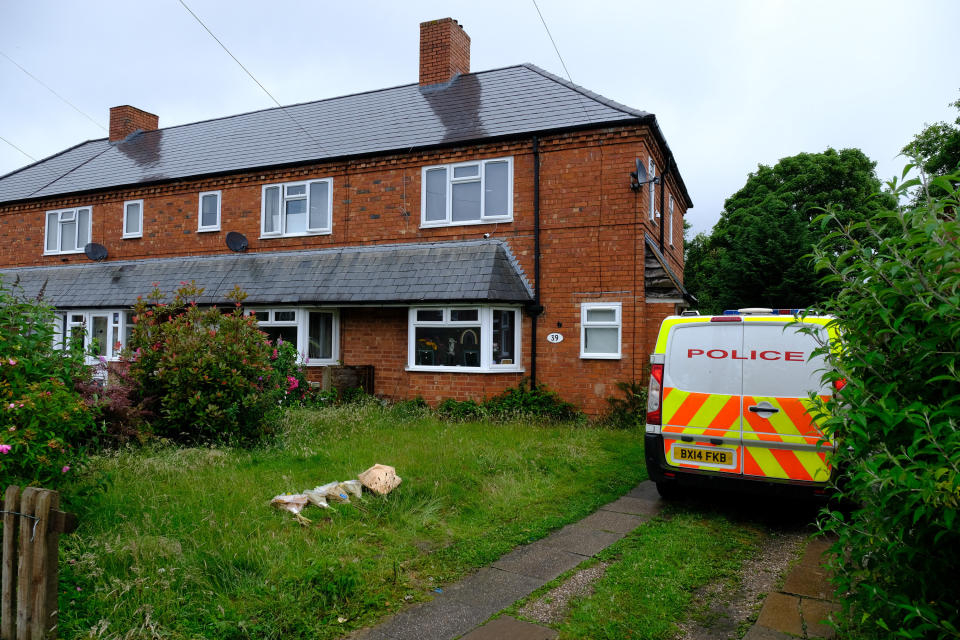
(131, 237)
(209, 230)
(495, 369)
(62, 253)
(296, 235)
(320, 363)
(601, 356)
(435, 225)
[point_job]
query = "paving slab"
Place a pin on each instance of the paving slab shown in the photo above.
(538, 560)
(373, 633)
(492, 589)
(635, 506)
(507, 628)
(815, 614)
(645, 491)
(441, 619)
(809, 581)
(781, 612)
(612, 521)
(582, 540)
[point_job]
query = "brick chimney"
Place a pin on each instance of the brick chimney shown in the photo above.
(444, 51)
(125, 119)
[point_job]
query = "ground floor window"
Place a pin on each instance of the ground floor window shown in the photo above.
(103, 333)
(480, 338)
(600, 325)
(314, 332)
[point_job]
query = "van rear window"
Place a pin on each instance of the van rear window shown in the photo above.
(701, 357)
(780, 363)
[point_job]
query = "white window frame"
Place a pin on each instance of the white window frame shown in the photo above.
(485, 320)
(670, 226)
(126, 232)
(74, 212)
(617, 307)
(302, 323)
(117, 322)
(652, 170)
(214, 227)
(450, 181)
(284, 198)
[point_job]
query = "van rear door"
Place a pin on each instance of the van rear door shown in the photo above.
(702, 396)
(780, 437)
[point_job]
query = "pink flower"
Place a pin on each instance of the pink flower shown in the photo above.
(12, 406)
(5, 448)
(279, 340)
(274, 356)
(293, 383)
(66, 468)
(12, 362)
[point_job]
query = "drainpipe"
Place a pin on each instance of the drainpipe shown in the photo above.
(536, 309)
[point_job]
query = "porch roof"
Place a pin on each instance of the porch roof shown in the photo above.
(465, 271)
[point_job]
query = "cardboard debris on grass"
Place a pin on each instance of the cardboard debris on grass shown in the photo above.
(381, 479)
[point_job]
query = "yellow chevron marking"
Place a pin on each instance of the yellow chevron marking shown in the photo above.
(672, 403)
(814, 465)
(706, 414)
(767, 463)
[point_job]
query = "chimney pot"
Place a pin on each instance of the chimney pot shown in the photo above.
(444, 51)
(125, 120)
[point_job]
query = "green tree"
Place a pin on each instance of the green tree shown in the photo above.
(936, 150)
(758, 252)
(897, 416)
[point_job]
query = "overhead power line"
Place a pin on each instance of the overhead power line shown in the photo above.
(247, 71)
(562, 63)
(50, 89)
(18, 148)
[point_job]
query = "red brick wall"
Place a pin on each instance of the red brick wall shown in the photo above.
(591, 247)
(444, 51)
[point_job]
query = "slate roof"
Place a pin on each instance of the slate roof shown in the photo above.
(449, 272)
(505, 102)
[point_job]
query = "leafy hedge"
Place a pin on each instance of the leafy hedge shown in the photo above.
(897, 418)
(45, 425)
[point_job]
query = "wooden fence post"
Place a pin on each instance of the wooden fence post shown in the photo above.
(32, 524)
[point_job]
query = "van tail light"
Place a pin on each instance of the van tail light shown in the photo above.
(655, 398)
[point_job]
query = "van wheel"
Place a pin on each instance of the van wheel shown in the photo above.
(669, 490)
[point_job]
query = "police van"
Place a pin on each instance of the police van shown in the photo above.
(729, 401)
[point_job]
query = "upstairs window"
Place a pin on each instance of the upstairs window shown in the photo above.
(670, 226)
(133, 219)
(297, 208)
(209, 211)
(68, 230)
(652, 171)
(467, 193)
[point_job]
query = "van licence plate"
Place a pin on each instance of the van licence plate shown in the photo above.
(713, 456)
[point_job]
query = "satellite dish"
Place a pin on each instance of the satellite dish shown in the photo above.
(237, 242)
(95, 251)
(641, 171)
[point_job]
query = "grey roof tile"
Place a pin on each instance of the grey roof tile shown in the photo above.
(511, 101)
(326, 276)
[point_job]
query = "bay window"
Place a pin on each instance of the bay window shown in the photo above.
(470, 338)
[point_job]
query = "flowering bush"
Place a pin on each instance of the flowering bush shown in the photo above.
(45, 426)
(208, 374)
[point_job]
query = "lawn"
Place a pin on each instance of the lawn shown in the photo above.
(182, 543)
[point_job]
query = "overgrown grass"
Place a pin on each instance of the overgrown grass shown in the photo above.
(184, 544)
(653, 575)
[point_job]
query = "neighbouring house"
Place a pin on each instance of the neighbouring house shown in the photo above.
(457, 234)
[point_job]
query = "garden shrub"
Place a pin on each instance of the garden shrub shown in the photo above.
(460, 409)
(45, 425)
(208, 374)
(536, 402)
(630, 410)
(896, 419)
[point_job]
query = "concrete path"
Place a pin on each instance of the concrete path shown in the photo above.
(463, 606)
(800, 608)
(797, 610)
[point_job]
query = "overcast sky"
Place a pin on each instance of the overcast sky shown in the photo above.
(733, 84)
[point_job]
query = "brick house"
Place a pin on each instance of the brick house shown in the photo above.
(457, 234)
